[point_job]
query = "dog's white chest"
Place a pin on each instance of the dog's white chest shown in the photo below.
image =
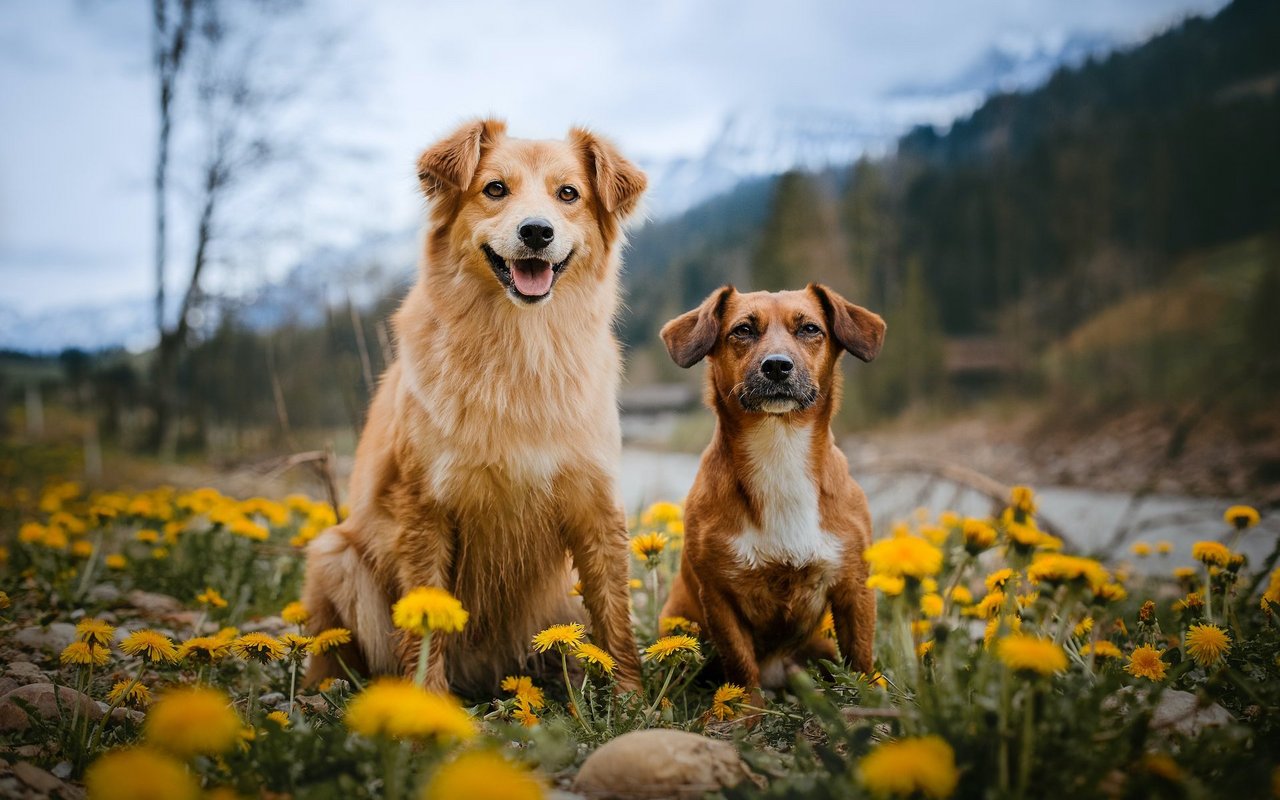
(780, 475)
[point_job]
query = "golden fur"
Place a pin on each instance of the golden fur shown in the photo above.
(775, 527)
(488, 462)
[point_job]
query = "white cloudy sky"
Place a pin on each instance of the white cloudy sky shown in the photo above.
(76, 100)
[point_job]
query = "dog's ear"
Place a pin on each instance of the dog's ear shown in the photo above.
(450, 164)
(616, 181)
(858, 330)
(690, 336)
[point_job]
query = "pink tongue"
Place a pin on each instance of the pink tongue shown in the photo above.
(532, 277)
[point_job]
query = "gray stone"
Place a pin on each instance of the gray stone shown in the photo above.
(40, 697)
(153, 603)
(38, 779)
(25, 669)
(104, 593)
(1182, 712)
(659, 764)
(272, 699)
(53, 637)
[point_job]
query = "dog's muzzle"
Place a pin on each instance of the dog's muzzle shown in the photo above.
(764, 394)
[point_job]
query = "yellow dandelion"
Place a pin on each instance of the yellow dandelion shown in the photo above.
(85, 655)
(1083, 627)
(115, 561)
(904, 556)
(399, 709)
(194, 721)
(81, 548)
(1031, 654)
(1241, 517)
(931, 605)
(1193, 603)
(828, 625)
(1164, 547)
(1272, 593)
(1207, 644)
(1026, 536)
(202, 649)
(1110, 593)
(670, 625)
(563, 637)
(280, 718)
(1145, 662)
(129, 693)
(258, 647)
(673, 647)
(990, 605)
(1140, 549)
(962, 596)
(1101, 649)
(151, 645)
(482, 775)
(592, 656)
(328, 639)
(524, 713)
(978, 535)
(94, 632)
(994, 625)
(727, 701)
(521, 686)
(1211, 553)
(147, 536)
(297, 644)
(1023, 499)
(661, 513)
(1056, 568)
(888, 585)
(429, 608)
(211, 598)
(139, 773)
(925, 765)
(648, 546)
(998, 579)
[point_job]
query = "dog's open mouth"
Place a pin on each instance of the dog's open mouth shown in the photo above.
(528, 279)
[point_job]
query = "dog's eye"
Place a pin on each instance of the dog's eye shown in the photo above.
(567, 193)
(743, 331)
(809, 329)
(496, 189)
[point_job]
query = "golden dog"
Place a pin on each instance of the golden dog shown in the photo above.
(775, 527)
(490, 453)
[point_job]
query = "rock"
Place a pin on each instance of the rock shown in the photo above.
(25, 669)
(154, 604)
(1181, 712)
(53, 637)
(104, 593)
(273, 625)
(272, 699)
(659, 764)
(38, 779)
(62, 770)
(40, 697)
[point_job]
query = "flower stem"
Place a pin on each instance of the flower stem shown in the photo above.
(1028, 744)
(424, 652)
(661, 692)
(568, 687)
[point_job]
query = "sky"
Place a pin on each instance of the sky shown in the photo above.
(383, 79)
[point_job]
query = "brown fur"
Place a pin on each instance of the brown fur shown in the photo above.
(487, 465)
(763, 611)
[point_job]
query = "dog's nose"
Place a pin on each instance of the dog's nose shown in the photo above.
(777, 367)
(536, 233)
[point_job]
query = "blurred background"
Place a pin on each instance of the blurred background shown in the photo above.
(1069, 214)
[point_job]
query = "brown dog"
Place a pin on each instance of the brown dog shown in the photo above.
(775, 527)
(490, 453)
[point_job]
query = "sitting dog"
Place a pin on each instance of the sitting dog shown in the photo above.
(775, 527)
(491, 449)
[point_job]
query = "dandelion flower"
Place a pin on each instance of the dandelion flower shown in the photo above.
(522, 687)
(211, 598)
(1193, 603)
(195, 721)
(931, 605)
(1031, 654)
(1164, 547)
(1211, 553)
(326, 640)
(1023, 499)
(1241, 517)
(202, 649)
(524, 713)
(1055, 568)
(295, 613)
(1101, 649)
(670, 625)
(962, 595)
(904, 556)
(591, 655)
(94, 632)
(889, 585)
(990, 605)
(399, 709)
(648, 546)
(429, 608)
(1083, 627)
(296, 644)
(280, 718)
(85, 655)
(151, 645)
(1110, 593)
(998, 579)
(978, 535)
(258, 647)
(827, 628)
(727, 700)
(1207, 644)
(1140, 549)
(482, 775)
(924, 765)
(115, 561)
(1145, 662)
(563, 637)
(139, 773)
(1272, 593)
(673, 646)
(129, 693)
(661, 513)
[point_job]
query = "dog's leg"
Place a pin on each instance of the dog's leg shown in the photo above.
(596, 534)
(340, 592)
(732, 639)
(853, 608)
(425, 553)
